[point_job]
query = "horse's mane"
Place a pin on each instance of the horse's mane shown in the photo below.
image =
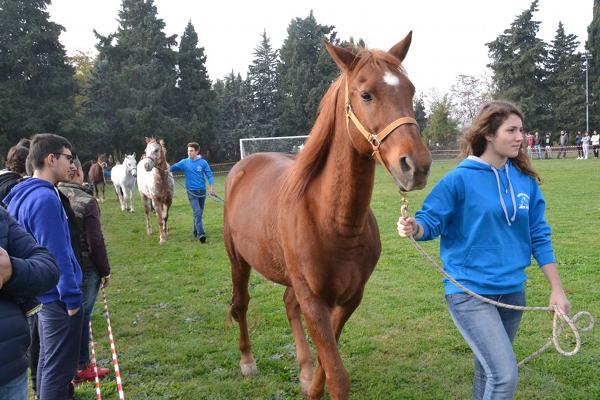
(311, 160)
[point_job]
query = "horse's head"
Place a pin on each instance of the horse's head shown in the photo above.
(379, 111)
(101, 160)
(154, 152)
(130, 164)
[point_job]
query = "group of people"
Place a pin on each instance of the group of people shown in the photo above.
(582, 142)
(53, 259)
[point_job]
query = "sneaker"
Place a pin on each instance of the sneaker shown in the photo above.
(202, 238)
(88, 374)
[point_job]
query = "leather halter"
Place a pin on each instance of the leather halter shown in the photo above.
(375, 139)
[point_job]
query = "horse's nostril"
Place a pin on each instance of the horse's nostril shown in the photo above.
(406, 165)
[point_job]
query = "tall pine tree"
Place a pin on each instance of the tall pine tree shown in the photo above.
(134, 79)
(305, 73)
(263, 86)
(566, 82)
(518, 58)
(195, 99)
(36, 82)
(593, 48)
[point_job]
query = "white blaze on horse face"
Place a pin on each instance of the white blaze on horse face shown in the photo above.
(391, 79)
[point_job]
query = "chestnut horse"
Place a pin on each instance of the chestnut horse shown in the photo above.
(96, 177)
(156, 185)
(305, 222)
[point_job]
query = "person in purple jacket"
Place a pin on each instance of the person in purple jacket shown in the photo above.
(197, 172)
(36, 205)
(490, 214)
(26, 270)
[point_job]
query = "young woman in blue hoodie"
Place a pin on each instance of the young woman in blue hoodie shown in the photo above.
(489, 213)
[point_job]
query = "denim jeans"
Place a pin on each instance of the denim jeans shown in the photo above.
(60, 340)
(15, 389)
(197, 199)
(89, 286)
(489, 331)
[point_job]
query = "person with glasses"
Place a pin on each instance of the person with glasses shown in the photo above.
(36, 205)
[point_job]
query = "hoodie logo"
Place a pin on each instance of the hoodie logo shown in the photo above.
(523, 201)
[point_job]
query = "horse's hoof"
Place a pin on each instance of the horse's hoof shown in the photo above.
(162, 241)
(304, 386)
(249, 370)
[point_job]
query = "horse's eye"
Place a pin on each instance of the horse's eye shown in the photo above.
(366, 96)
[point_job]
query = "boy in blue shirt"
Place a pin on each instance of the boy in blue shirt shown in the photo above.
(196, 171)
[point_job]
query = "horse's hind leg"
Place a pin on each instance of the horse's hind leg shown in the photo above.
(240, 274)
(303, 355)
(102, 186)
(120, 195)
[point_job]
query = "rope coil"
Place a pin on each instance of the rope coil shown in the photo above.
(559, 315)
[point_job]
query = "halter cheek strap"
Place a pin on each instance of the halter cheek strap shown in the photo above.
(375, 139)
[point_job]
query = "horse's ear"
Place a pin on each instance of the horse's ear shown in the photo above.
(342, 57)
(147, 140)
(133, 154)
(401, 48)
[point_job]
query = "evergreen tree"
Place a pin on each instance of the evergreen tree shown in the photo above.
(305, 73)
(566, 82)
(132, 91)
(36, 82)
(232, 116)
(263, 86)
(593, 48)
(442, 129)
(420, 114)
(518, 58)
(195, 96)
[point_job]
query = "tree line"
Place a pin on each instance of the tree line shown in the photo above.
(143, 82)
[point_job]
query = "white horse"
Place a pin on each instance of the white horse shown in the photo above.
(123, 177)
(156, 185)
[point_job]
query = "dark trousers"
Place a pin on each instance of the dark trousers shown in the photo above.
(60, 338)
(34, 350)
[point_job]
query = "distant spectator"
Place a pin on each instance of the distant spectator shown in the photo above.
(595, 139)
(585, 144)
(538, 145)
(530, 144)
(94, 260)
(563, 140)
(578, 138)
(26, 270)
(548, 148)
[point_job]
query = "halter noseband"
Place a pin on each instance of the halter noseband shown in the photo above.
(375, 139)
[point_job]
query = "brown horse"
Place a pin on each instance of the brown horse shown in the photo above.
(305, 223)
(156, 185)
(96, 177)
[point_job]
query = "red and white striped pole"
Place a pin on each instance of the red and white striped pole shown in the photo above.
(113, 349)
(92, 347)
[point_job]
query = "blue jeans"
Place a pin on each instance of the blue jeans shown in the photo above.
(197, 199)
(60, 339)
(489, 331)
(89, 286)
(15, 389)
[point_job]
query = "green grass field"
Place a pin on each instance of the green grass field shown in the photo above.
(169, 304)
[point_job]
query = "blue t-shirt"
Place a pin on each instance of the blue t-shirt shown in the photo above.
(196, 173)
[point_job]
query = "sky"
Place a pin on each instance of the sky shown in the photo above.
(449, 37)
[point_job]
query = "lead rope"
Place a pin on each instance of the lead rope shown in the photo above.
(559, 315)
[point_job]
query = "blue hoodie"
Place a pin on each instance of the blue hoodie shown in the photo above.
(196, 172)
(36, 205)
(491, 221)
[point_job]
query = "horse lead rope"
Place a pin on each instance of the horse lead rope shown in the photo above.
(558, 313)
(113, 349)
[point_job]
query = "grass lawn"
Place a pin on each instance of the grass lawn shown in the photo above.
(169, 304)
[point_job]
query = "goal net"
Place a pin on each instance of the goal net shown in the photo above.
(281, 144)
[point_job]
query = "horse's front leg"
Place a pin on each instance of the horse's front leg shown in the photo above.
(160, 218)
(317, 315)
(146, 213)
(303, 355)
(129, 199)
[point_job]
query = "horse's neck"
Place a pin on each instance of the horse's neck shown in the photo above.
(346, 183)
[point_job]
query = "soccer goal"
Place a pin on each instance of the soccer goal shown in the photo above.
(281, 144)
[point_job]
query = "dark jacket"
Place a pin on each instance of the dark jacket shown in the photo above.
(8, 179)
(36, 205)
(34, 271)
